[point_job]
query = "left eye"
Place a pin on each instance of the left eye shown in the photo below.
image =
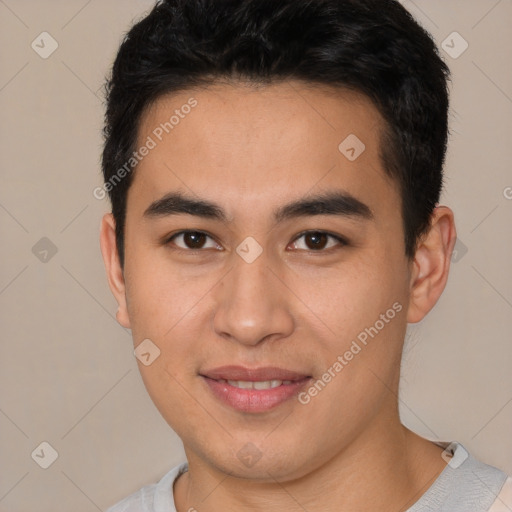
(193, 240)
(317, 241)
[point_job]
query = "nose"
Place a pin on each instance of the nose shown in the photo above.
(253, 304)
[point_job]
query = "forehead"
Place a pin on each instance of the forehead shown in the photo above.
(262, 141)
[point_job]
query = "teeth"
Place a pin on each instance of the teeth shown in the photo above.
(265, 384)
(242, 384)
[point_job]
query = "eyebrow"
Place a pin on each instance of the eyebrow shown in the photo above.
(331, 203)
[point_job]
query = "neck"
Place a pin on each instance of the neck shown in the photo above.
(387, 467)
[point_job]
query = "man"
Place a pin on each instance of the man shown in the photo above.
(275, 170)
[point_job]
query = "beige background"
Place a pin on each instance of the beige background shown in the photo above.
(68, 376)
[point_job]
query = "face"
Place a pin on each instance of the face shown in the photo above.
(254, 240)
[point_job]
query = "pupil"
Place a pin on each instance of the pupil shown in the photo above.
(318, 240)
(194, 240)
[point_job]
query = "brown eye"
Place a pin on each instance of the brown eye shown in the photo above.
(317, 241)
(193, 240)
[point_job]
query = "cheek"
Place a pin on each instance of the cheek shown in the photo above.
(157, 294)
(349, 297)
(152, 295)
(148, 298)
(168, 305)
(360, 314)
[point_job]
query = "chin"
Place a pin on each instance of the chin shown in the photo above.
(260, 464)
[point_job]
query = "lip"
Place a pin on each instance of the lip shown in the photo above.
(253, 400)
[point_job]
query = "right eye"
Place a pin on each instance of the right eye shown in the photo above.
(193, 240)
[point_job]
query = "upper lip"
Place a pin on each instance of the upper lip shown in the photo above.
(252, 374)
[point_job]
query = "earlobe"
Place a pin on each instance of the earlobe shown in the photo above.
(431, 264)
(113, 268)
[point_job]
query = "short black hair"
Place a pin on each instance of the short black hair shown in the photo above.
(374, 47)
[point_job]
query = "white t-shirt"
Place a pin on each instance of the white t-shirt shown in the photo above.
(464, 485)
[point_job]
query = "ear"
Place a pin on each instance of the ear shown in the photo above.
(113, 267)
(431, 264)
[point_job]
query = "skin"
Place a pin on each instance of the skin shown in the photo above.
(252, 150)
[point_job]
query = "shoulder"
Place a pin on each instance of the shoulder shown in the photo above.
(466, 484)
(155, 497)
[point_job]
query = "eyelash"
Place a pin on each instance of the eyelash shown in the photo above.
(341, 240)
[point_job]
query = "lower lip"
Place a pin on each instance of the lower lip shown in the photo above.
(254, 400)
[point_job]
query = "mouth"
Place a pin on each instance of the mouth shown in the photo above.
(253, 390)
